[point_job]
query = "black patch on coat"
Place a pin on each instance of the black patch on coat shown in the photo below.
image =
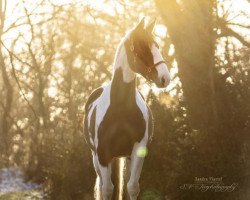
(123, 123)
(93, 96)
(142, 96)
(92, 124)
(141, 58)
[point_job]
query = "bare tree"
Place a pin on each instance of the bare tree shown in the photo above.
(8, 94)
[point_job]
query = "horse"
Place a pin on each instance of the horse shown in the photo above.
(118, 122)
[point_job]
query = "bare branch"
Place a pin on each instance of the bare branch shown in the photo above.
(19, 86)
(14, 55)
(226, 31)
(240, 25)
(17, 24)
(11, 55)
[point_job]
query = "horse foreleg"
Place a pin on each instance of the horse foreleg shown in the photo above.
(126, 178)
(135, 169)
(107, 185)
(98, 186)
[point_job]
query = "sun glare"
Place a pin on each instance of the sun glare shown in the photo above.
(52, 91)
(114, 7)
(160, 30)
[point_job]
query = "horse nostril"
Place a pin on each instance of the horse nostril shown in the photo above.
(163, 80)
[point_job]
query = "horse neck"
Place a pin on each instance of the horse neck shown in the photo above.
(123, 84)
(121, 61)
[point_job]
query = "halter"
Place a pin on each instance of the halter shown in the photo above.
(149, 68)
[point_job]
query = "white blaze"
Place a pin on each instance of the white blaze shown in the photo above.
(161, 68)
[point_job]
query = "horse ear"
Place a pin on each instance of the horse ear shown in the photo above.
(151, 26)
(141, 24)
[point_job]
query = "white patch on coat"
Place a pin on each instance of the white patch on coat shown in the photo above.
(162, 69)
(102, 105)
(122, 61)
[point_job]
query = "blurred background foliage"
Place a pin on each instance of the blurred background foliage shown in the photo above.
(54, 53)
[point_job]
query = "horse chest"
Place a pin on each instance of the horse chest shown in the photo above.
(128, 121)
(119, 130)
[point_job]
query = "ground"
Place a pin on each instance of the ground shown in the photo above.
(14, 187)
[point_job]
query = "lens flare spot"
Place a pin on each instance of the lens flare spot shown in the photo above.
(142, 152)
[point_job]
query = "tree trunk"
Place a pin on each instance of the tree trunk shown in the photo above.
(7, 106)
(191, 29)
(7, 99)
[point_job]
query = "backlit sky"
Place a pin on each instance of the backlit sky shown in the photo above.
(234, 6)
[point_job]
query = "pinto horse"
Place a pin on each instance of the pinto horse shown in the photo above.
(118, 122)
